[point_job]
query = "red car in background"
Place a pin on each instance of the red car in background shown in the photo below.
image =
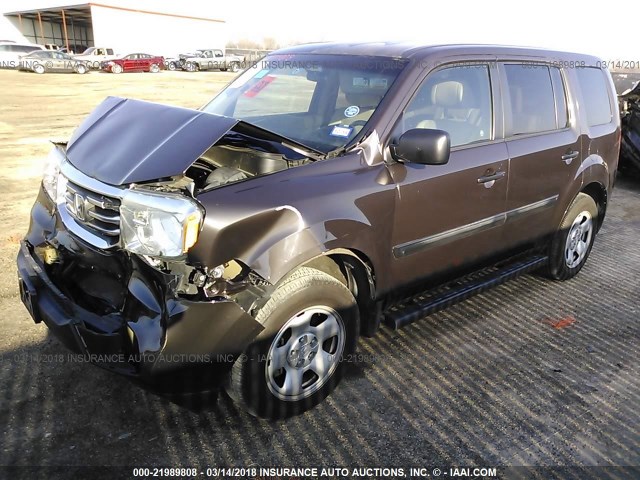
(135, 62)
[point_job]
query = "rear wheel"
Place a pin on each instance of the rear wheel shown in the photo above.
(313, 320)
(235, 67)
(572, 243)
(39, 69)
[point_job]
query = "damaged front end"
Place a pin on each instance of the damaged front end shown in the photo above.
(628, 90)
(106, 263)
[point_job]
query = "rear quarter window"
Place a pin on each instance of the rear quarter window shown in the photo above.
(595, 96)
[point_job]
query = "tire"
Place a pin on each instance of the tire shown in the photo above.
(39, 69)
(116, 68)
(192, 67)
(154, 68)
(235, 68)
(574, 239)
(312, 309)
(171, 66)
(81, 69)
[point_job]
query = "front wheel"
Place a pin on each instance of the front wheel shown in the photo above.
(154, 68)
(312, 323)
(116, 68)
(81, 69)
(574, 239)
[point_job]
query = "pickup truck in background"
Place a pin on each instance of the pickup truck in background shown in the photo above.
(209, 59)
(96, 55)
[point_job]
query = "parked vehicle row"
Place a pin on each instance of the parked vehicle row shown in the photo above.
(105, 58)
(44, 61)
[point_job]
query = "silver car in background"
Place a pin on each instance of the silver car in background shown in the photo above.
(52, 61)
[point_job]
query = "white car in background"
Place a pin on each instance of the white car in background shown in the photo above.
(10, 52)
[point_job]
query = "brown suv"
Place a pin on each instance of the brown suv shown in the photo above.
(326, 189)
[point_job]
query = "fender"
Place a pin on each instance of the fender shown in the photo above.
(274, 226)
(595, 169)
(291, 252)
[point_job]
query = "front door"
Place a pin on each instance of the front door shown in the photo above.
(449, 216)
(130, 63)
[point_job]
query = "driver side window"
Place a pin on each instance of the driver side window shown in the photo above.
(455, 99)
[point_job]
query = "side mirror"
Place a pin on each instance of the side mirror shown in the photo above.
(424, 146)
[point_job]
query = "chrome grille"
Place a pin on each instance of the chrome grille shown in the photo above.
(94, 211)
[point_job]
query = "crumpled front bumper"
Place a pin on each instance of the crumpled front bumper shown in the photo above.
(155, 333)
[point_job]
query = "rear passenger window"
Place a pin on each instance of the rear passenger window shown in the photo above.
(456, 100)
(595, 96)
(533, 107)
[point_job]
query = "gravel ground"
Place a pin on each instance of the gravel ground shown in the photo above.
(495, 381)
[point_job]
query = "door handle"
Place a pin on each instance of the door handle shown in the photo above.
(492, 177)
(569, 156)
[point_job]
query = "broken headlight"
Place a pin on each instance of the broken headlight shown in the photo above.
(159, 225)
(52, 181)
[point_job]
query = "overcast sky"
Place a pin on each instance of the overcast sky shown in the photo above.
(602, 28)
(566, 25)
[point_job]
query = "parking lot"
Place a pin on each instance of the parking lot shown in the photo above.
(531, 373)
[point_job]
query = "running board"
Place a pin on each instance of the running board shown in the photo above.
(432, 301)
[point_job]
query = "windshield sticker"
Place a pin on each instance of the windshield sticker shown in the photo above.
(257, 88)
(360, 82)
(261, 73)
(339, 131)
(378, 83)
(351, 111)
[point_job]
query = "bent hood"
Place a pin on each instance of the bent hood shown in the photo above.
(126, 141)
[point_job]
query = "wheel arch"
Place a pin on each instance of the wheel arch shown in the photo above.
(598, 192)
(356, 271)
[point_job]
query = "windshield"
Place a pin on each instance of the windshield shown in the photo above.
(321, 101)
(88, 51)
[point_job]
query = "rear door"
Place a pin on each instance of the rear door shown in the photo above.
(543, 140)
(144, 61)
(450, 216)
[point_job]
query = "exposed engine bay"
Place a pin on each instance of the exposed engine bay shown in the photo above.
(237, 157)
